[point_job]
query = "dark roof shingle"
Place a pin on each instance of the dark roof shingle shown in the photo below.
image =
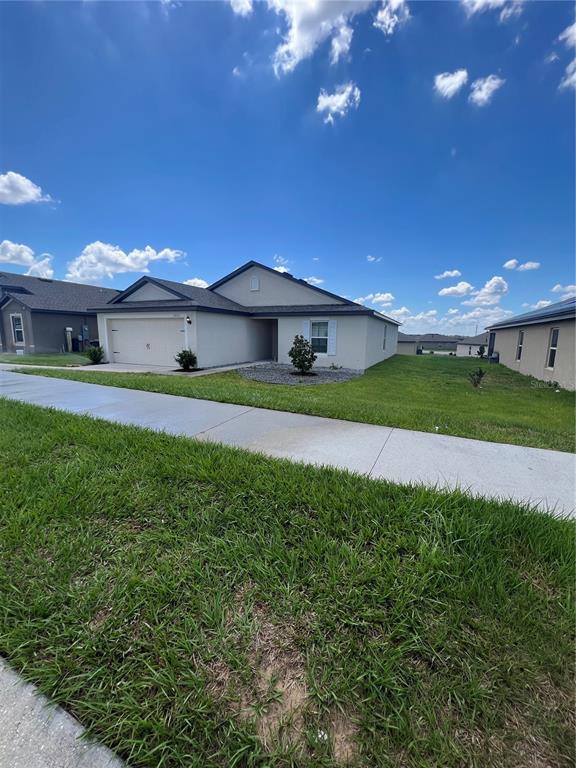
(52, 295)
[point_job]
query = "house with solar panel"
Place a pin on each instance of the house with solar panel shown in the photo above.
(541, 343)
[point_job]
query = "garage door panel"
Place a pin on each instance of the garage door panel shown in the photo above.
(146, 342)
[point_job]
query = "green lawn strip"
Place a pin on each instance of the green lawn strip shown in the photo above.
(162, 589)
(69, 359)
(425, 393)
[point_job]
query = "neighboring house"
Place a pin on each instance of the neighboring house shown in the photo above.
(540, 343)
(35, 313)
(469, 346)
(252, 314)
(418, 344)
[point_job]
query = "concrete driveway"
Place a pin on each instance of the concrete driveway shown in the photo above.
(543, 478)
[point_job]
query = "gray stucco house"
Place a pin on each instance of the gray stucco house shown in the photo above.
(35, 313)
(252, 314)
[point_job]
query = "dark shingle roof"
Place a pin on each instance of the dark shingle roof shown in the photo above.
(422, 337)
(561, 310)
(318, 309)
(38, 293)
(481, 338)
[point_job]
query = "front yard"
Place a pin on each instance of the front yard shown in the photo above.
(426, 393)
(197, 606)
(65, 359)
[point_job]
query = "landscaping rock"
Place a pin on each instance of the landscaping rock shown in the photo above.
(276, 373)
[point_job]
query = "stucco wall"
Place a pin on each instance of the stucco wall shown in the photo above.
(406, 348)
(375, 351)
(274, 290)
(469, 350)
(149, 292)
(49, 333)
(535, 351)
(15, 308)
(228, 339)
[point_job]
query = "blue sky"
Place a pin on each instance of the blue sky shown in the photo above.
(372, 146)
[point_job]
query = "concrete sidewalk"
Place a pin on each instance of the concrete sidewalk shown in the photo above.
(35, 734)
(163, 370)
(543, 478)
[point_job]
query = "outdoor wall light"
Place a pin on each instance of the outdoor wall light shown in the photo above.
(188, 319)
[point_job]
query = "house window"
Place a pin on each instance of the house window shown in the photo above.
(469, 350)
(385, 334)
(17, 329)
(520, 345)
(319, 337)
(552, 347)
(254, 284)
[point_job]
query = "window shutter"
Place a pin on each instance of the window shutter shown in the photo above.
(306, 329)
(331, 337)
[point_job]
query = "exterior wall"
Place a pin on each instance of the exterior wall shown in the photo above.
(49, 333)
(535, 351)
(375, 351)
(469, 350)
(149, 292)
(406, 348)
(105, 318)
(15, 308)
(228, 339)
(275, 290)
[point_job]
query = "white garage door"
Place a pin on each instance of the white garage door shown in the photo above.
(146, 341)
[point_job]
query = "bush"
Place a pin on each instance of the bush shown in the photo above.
(302, 354)
(95, 355)
(476, 376)
(186, 359)
(481, 351)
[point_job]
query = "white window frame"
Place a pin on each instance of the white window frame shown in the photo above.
(18, 343)
(254, 283)
(519, 345)
(312, 337)
(550, 348)
(385, 335)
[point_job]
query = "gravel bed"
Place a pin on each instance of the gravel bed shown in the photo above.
(284, 374)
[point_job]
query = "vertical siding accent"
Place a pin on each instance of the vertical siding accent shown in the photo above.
(331, 337)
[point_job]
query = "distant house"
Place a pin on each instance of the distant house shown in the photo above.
(422, 344)
(35, 314)
(469, 346)
(540, 343)
(253, 313)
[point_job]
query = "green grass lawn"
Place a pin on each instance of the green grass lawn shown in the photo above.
(199, 606)
(426, 393)
(69, 358)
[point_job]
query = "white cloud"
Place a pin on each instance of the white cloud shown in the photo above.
(373, 259)
(482, 316)
(511, 11)
(309, 25)
(242, 7)
(529, 265)
(196, 282)
(448, 273)
(282, 270)
(344, 98)
(551, 58)
(511, 264)
(18, 190)
(341, 43)
(237, 72)
(447, 84)
(23, 255)
(384, 299)
(453, 312)
(568, 37)
(539, 304)
(314, 280)
(567, 290)
(99, 260)
(569, 79)
(508, 10)
(281, 263)
(391, 15)
(460, 289)
(483, 89)
(491, 293)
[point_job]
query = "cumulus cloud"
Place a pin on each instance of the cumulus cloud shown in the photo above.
(102, 260)
(42, 267)
(384, 299)
(341, 43)
(567, 290)
(568, 36)
(569, 79)
(447, 84)
(525, 267)
(373, 259)
(314, 280)
(339, 103)
(16, 189)
(460, 289)
(391, 15)
(448, 273)
(539, 304)
(242, 7)
(196, 282)
(311, 23)
(483, 89)
(23, 256)
(493, 290)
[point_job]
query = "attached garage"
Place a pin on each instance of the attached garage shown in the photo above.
(141, 342)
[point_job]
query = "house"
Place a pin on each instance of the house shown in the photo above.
(421, 344)
(408, 344)
(252, 314)
(540, 343)
(38, 315)
(469, 346)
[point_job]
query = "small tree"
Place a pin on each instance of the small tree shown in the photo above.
(186, 359)
(95, 355)
(481, 351)
(302, 354)
(476, 377)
